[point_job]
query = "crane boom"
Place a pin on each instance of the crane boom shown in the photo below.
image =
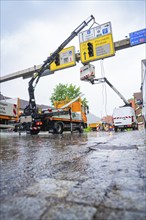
(31, 108)
(104, 79)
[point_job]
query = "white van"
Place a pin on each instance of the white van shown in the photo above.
(124, 117)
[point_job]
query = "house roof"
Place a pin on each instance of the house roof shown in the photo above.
(91, 118)
(24, 103)
(2, 97)
(138, 95)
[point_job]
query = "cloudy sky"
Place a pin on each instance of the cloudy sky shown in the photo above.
(32, 29)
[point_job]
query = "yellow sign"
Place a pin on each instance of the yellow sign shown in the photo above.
(97, 48)
(65, 59)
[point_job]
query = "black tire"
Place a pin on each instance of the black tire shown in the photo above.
(58, 128)
(116, 129)
(81, 128)
(34, 132)
(134, 128)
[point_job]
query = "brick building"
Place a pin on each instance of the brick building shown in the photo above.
(138, 108)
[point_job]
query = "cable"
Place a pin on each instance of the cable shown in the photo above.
(104, 92)
(94, 23)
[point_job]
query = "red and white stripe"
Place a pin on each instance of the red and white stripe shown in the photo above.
(15, 109)
(122, 117)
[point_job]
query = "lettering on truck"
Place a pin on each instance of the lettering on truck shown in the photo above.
(8, 109)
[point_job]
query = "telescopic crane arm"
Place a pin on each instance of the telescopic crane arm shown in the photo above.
(31, 108)
(104, 79)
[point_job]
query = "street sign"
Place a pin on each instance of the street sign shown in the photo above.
(65, 59)
(96, 43)
(138, 37)
(102, 47)
(95, 32)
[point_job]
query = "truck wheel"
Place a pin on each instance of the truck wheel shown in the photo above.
(134, 128)
(116, 129)
(58, 128)
(81, 128)
(34, 132)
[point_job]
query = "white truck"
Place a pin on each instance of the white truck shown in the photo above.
(124, 117)
(9, 112)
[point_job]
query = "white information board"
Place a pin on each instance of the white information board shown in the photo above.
(95, 32)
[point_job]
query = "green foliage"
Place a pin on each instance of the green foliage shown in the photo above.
(88, 129)
(63, 91)
(84, 102)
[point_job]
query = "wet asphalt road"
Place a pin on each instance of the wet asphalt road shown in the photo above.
(85, 176)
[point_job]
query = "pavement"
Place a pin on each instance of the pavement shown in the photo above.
(89, 176)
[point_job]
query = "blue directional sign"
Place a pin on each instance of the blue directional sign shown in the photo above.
(138, 37)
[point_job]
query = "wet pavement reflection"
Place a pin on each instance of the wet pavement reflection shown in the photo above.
(96, 175)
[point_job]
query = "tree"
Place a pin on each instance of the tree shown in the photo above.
(63, 91)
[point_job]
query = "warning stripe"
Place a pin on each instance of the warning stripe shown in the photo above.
(87, 76)
(122, 117)
(15, 109)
